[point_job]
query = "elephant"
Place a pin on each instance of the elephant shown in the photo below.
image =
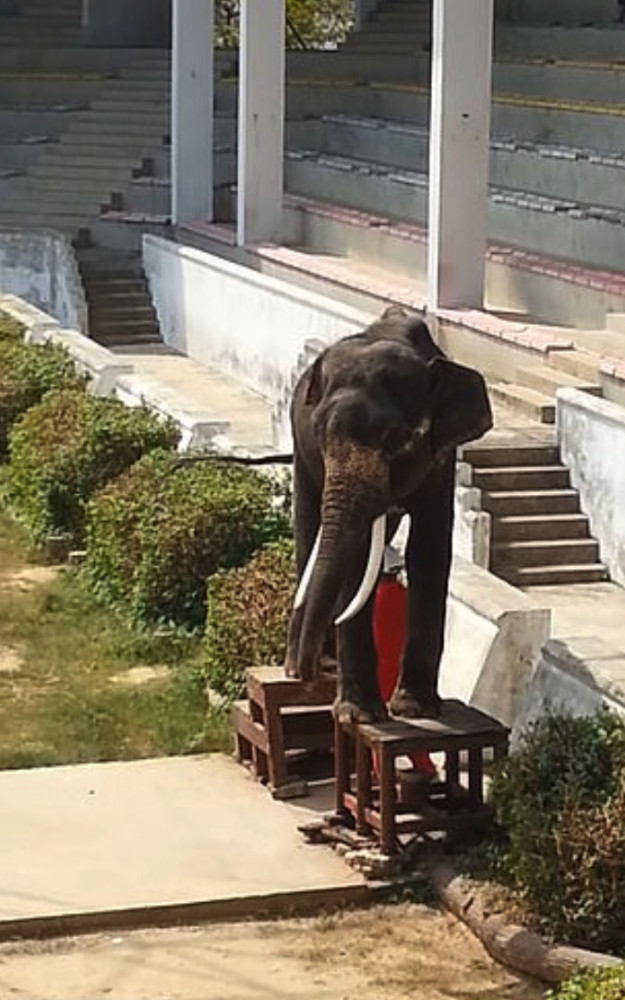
(376, 420)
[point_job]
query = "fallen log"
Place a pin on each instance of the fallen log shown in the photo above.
(512, 945)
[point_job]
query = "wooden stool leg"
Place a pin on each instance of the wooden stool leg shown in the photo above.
(363, 785)
(341, 768)
(387, 800)
(476, 777)
(275, 739)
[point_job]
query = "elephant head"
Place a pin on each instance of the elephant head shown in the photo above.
(375, 415)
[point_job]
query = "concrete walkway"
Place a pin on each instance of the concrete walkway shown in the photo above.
(100, 846)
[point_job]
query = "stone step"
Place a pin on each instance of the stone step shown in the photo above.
(589, 234)
(486, 455)
(506, 503)
(581, 364)
(127, 337)
(529, 402)
(103, 317)
(548, 380)
(124, 329)
(519, 527)
(65, 168)
(545, 552)
(112, 301)
(545, 576)
(563, 172)
(522, 477)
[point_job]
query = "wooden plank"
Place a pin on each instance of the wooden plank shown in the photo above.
(250, 730)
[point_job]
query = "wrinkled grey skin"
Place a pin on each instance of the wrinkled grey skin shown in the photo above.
(376, 421)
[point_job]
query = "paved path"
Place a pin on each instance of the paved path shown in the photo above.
(104, 845)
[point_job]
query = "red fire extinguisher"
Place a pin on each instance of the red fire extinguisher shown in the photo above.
(389, 630)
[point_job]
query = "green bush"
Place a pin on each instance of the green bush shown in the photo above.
(27, 373)
(601, 984)
(66, 447)
(10, 329)
(561, 801)
(247, 616)
(155, 535)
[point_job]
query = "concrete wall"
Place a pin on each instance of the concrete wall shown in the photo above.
(494, 637)
(41, 268)
(137, 23)
(249, 325)
(571, 682)
(591, 434)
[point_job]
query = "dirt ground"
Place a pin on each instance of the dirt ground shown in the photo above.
(385, 953)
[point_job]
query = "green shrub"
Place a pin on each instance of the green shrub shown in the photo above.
(601, 984)
(561, 801)
(65, 448)
(10, 329)
(247, 615)
(27, 373)
(155, 535)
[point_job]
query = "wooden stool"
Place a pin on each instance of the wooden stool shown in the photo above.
(445, 805)
(281, 716)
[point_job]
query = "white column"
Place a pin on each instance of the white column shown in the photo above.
(192, 110)
(260, 178)
(459, 152)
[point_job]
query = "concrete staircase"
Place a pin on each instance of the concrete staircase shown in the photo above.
(121, 311)
(539, 534)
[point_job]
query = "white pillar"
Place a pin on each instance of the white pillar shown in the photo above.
(459, 152)
(192, 110)
(260, 178)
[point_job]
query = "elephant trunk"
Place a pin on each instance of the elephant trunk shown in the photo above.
(355, 495)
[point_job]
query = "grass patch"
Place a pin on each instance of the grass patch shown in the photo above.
(63, 663)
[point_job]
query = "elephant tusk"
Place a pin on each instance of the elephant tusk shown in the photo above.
(376, 552)
(304, 582)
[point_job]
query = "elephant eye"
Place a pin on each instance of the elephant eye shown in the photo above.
(393, 439)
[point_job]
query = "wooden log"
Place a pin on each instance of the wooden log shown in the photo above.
(512, 945)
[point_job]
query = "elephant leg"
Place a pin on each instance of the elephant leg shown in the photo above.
(358, 695)
(428, 562)
(306, 514)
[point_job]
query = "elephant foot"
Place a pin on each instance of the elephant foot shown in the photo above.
(406, 705)
(348, 711)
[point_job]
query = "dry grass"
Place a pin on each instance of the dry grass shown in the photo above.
(58, 702)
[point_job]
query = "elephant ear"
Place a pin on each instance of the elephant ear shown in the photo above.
(314, 391)
(460, 408)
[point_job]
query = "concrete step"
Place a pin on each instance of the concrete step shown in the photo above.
(487, 455)
(527, 527)
(50, 88)
(109, 310)
(585, 176)
(129, 337)
(124, 329)
(522, 477)
(590, 234)
(548, 380)
(121, 129)
(545, 576)
(580, 364)
(545, 552)
(582, 124)
(507, 503)
(529, 402)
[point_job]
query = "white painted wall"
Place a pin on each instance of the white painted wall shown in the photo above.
(251, 326)
(591, 434)
(40, 267)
